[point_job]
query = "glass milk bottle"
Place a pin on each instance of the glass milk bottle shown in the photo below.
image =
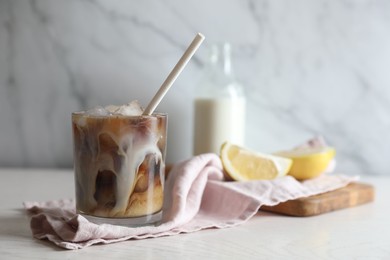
(219, 105)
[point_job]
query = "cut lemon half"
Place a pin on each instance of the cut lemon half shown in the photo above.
(241, 164)
(309, 162)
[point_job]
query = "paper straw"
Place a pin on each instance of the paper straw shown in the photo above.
(196, 42)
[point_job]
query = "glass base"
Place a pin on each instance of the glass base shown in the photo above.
(148, 220)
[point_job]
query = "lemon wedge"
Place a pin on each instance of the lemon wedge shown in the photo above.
(309, 162)
(241, 164)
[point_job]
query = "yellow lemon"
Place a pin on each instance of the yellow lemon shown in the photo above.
(309, 162)
(241, 164)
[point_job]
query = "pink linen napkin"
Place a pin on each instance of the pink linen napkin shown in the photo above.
(196, 198)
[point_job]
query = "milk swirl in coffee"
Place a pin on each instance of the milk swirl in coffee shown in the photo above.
(119, 161)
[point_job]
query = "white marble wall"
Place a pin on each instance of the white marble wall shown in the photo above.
(309, 66)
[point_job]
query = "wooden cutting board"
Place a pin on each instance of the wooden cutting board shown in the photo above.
(352, 195)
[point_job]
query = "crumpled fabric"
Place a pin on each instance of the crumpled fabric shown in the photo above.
(196, 197)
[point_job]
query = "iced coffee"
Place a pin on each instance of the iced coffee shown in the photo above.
(119, 164)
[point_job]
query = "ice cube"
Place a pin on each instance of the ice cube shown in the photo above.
(97, 111)
(131, 109)
(112, 109)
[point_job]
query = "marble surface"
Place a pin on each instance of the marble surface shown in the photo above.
(309, 67)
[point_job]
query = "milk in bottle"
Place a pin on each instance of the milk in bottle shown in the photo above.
(219, 105)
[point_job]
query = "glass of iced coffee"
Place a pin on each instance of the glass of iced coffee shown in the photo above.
(119, 161)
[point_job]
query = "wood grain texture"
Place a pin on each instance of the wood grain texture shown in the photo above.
(352, 195)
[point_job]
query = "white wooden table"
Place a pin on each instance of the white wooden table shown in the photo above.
(362, 232)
